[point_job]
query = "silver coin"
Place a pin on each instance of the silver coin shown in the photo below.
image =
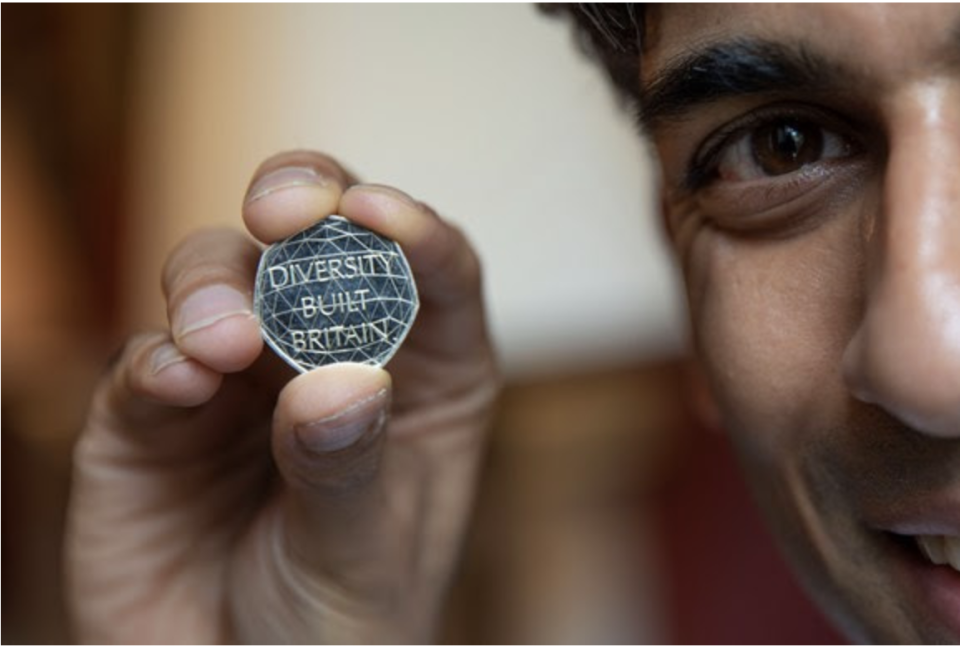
(335, 292)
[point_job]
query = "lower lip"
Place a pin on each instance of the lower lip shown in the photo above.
(935, 588)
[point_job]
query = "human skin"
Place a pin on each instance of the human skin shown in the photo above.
(217, 497)
(825, 303)
(824, 291)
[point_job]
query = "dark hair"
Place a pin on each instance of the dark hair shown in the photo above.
(611, 34)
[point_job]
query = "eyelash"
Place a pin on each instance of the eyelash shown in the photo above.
(702, 169)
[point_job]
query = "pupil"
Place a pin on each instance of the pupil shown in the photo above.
(786, 146)
(788, 141)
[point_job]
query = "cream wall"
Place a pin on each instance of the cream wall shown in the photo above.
(484, 111)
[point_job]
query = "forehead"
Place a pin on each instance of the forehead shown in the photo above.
(878, 41)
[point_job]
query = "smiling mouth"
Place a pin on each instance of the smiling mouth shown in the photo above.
(928, 568)
(941, 550)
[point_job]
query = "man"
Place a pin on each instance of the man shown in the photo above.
(810, 186)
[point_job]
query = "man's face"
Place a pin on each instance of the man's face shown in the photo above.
(811, 159)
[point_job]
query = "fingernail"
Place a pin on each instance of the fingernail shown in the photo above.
(209, 305)
(388, 192)
(165, 355)
(285, 178)
(345, 428)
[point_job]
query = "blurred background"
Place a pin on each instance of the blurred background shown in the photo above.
(609, 511)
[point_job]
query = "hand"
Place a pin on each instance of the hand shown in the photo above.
(219, 498)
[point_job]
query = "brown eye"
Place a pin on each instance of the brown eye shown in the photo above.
(778, 146)
(786, 146)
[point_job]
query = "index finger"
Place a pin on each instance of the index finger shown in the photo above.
(444, 262)
(451, 322)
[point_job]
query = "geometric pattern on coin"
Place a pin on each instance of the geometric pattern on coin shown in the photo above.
(335, 292)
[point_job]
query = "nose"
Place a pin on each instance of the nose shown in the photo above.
(905, 353)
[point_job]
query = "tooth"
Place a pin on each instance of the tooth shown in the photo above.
(933, 548)
(951, 547)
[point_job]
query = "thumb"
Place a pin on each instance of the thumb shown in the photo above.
(328, 439)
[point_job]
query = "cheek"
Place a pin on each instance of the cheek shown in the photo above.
(771, 320)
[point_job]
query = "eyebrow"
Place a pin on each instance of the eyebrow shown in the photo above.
(729, 69)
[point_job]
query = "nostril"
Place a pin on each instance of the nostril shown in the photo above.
(855, 370)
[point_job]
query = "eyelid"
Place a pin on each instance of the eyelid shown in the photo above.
(707, 154)
(788, 205)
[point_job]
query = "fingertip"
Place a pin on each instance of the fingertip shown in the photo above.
(154, 372)
(447, 268)
(209, 282)
(228, 344)
(328, 391)
(177, 380)
(275, 214)
(290, 191)
(327, 432)
(215, 324)
(386, 210)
